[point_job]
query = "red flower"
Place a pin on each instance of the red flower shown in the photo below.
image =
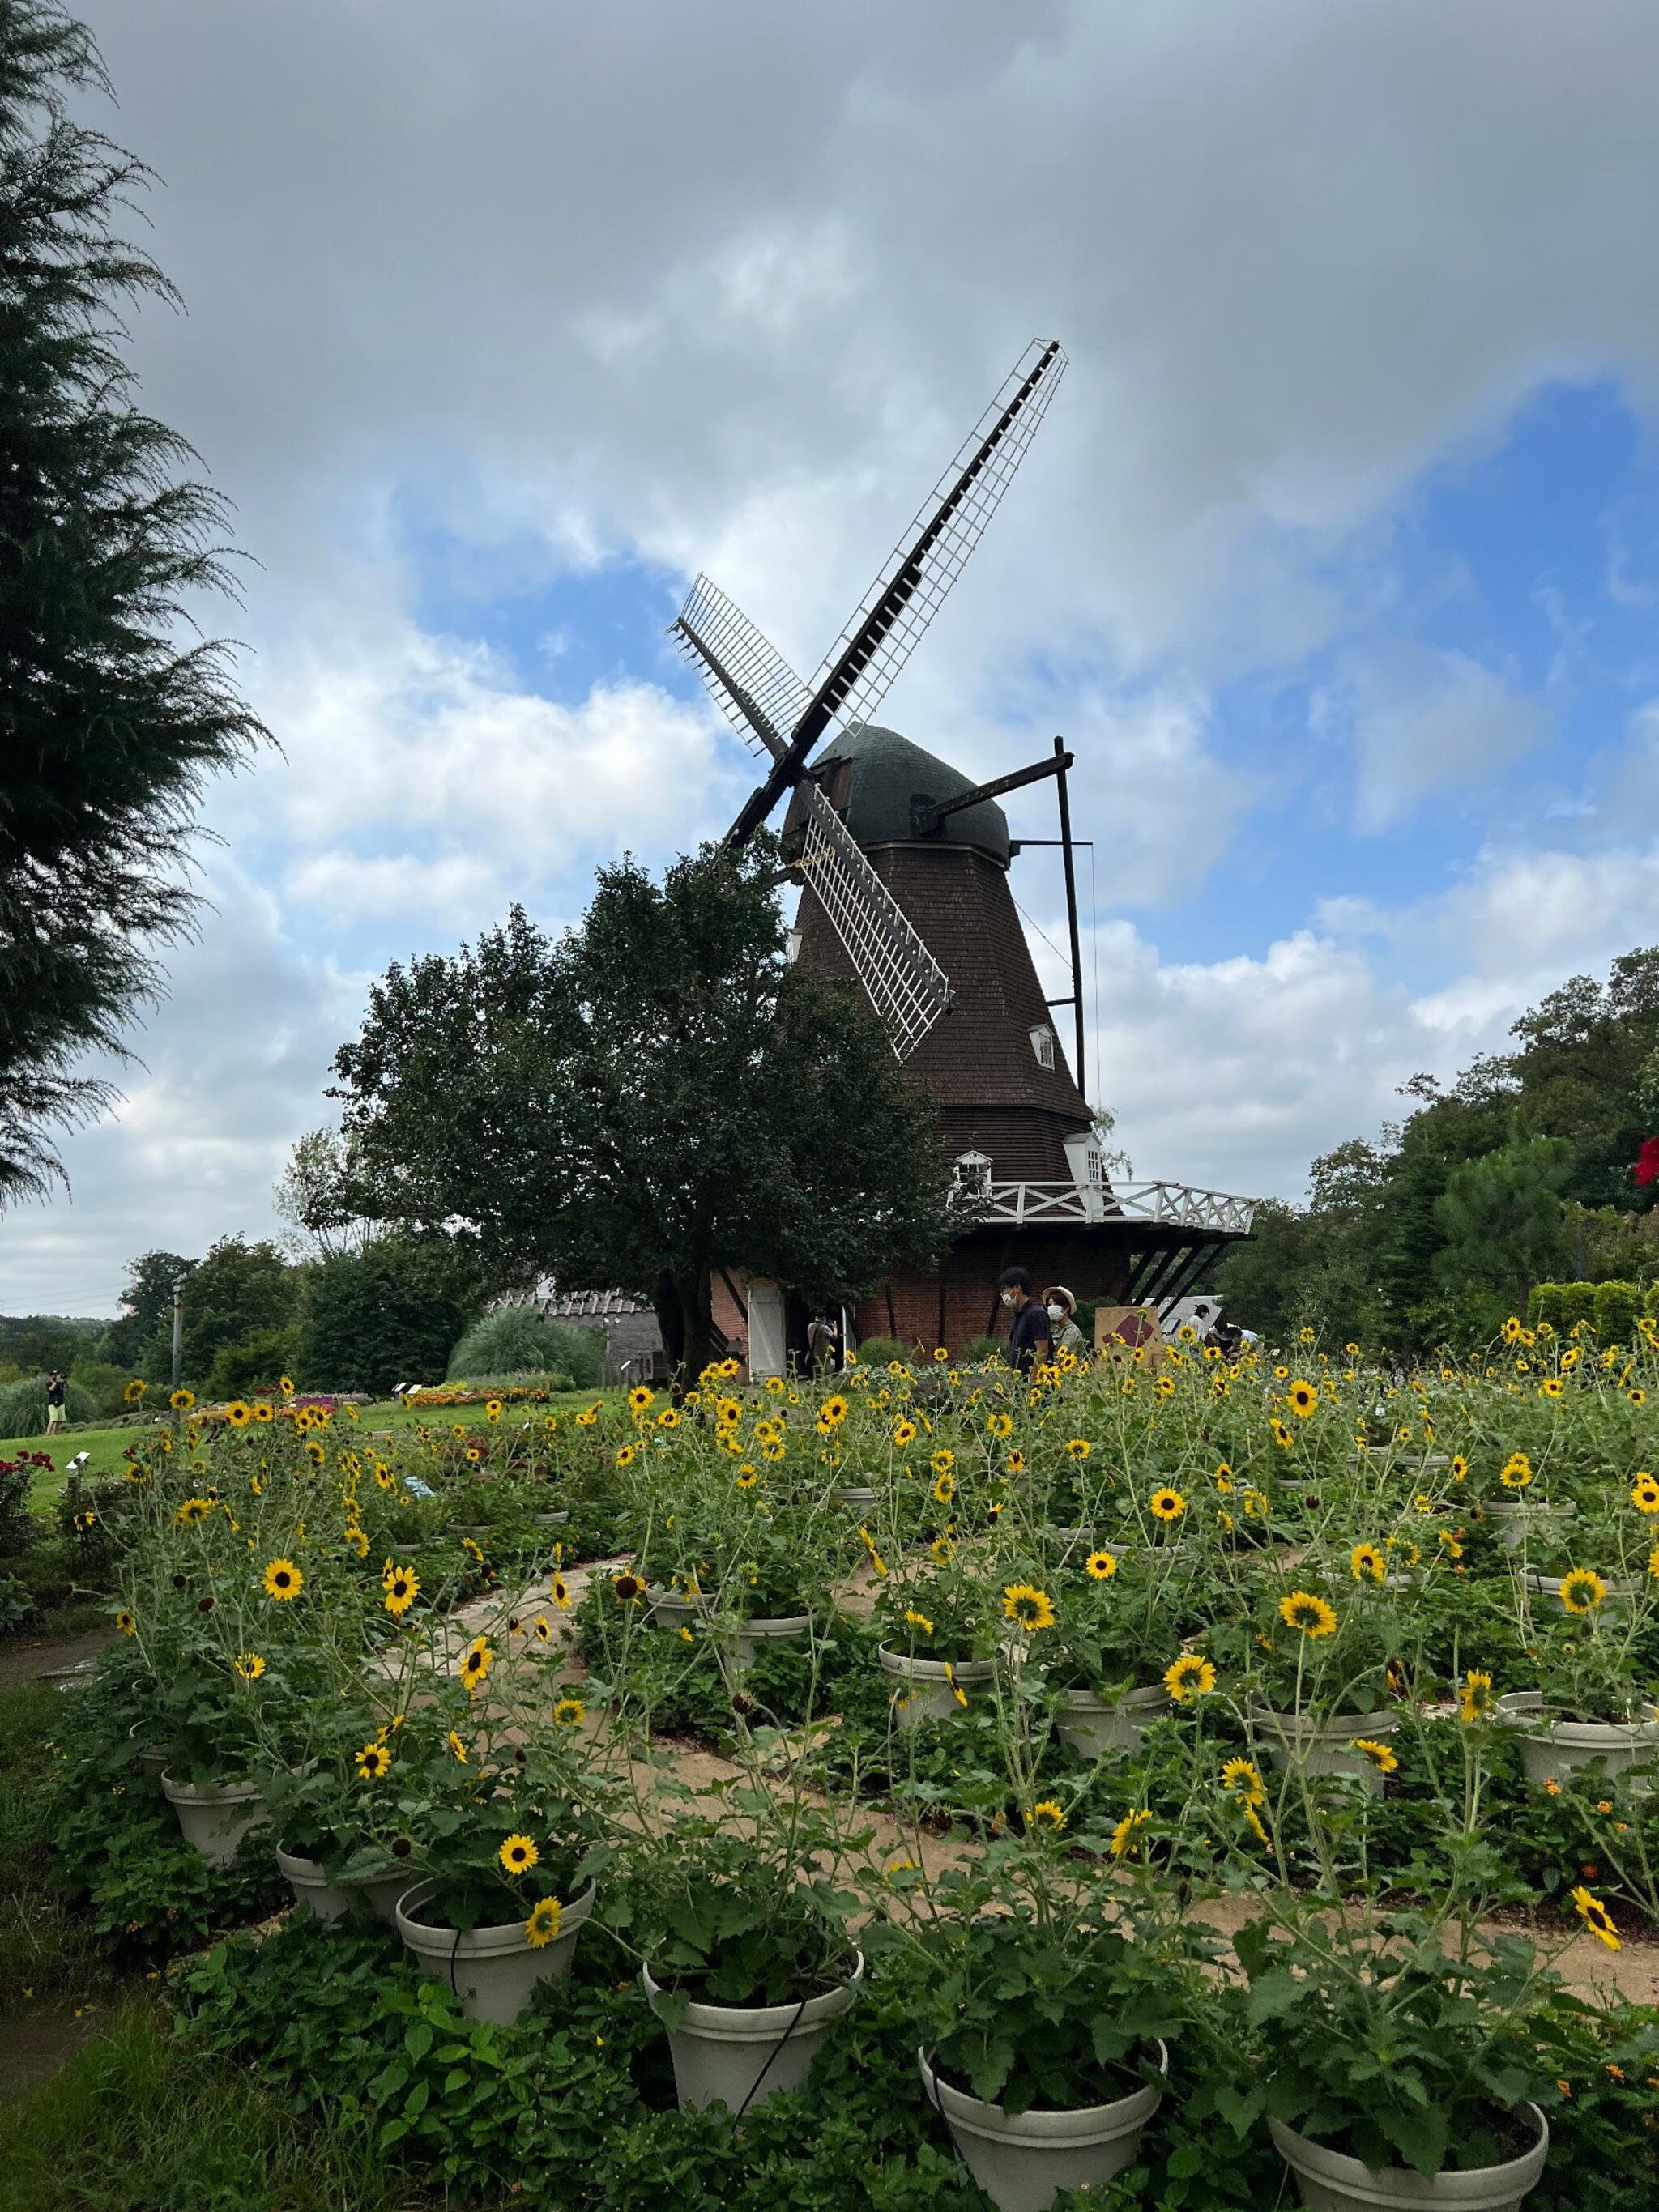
(1647, 1162)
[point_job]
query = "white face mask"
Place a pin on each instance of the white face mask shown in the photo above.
(1057, 1313)
(1007, 1297)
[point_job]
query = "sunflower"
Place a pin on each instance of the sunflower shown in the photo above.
(517, 1855)
(543, 1924)
(919, 1621)
(1596, 1917)
(999, 1424)
(401, 1586)
(283, 1580)
(1311, 1615)
(1189, 1677)
(263, 1412)
(1164, 1387)
(1240, 1778)
(373, 1761)
(193, 1510)
(626, 1454)
(1379, 1754)
(1550, 1387)
(1257, 1829)
(1459, 1469)
(1281, 1435)
(1653, 1562)
(627, 1588)
(476, 1661)
(774, 1452)
(1016, 1462)
(493, 1410)
(1032, 1607)
(125, 1623)
(238, 1415)
(945, 1488)
(1166, 1505)
(1077, 1448)
(1365, 1559)
(1046, 1814)
(668, 1419)
(1582, 1590)
(1126, 1833)
(832, 1413)
(1645, 1493)
(905, 1432)
(134, 1391)
(1637, 1397)
(456, 1746)
(1516, 1472)
(249, 1665)
(182, 1401)
(639, 1397)
(569, 1712)
(746, 1476)
(1303, 1398)
(1475, 1695)
(943, 1461)
(1101, 1566)
(317, 1453)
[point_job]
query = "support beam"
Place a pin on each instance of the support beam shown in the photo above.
(1062, 761)
(925, 817)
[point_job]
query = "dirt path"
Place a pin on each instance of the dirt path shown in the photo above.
(50, 1657)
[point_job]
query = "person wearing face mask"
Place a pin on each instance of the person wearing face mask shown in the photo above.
(1062, 1322)
(1029, 1343)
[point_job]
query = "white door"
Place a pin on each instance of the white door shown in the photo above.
(766, 1338)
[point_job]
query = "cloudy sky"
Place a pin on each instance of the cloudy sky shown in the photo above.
(1337, 560)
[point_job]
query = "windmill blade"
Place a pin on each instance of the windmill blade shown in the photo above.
(877, 643)
(906, 985)
(753, 685)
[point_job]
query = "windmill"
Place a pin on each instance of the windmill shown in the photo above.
(904, 866)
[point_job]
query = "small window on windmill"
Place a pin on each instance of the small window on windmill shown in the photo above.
(838, 784)
(1043, 1044)
(791, 947)
(973, 1173)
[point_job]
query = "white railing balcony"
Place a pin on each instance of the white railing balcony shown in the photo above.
(1166, 1205)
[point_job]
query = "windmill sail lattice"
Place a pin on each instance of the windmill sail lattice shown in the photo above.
(776, 713)
(906, 985)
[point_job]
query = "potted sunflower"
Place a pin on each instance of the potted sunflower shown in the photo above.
(1317, 1671)
(939, 1625)
(1117, 1633)
(1594, 1700)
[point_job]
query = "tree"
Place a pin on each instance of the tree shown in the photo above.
(384, 1314)
(237, 1291)
(109, 725)
(1501, 1217)
(656, 1096)
(146, 1307)
(313, 1195)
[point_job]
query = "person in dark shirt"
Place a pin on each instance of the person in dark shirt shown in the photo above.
(1029, 1344)
(57, 1391)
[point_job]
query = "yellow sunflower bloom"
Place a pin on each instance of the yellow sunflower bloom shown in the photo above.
(1190, 1676)
(1596, 1917)
(1309, 1615)
(1047, 1814)
(1101, 1566)
(1125, 1836)
(1379, 1754)
(1474, 1696)
(1032, 1607)
(1303, 1398)
(1582, 1590)
(517, 1855)
(283, 1580)
(543, 1924)
(1166, 1504)
(1366, 1560)
(476, 1661)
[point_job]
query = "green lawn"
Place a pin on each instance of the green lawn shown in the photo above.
(108, 1446)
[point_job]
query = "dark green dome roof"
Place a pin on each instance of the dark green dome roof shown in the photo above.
(888, 774)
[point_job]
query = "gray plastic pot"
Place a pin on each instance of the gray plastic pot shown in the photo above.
(1022, 2163)
(1332, 2182)
(493, 1971)
(1513, 1518)
(853, 1494)
(749, 1635)
(151, 1759)
(1100, 1727)
(1321, 1745)
(928, 1695)
(549, 1520)
(1551, 1748)
(1549, 1586)
(329, 1899)
(214, 1821)
(671, 1608)
(740, 2055)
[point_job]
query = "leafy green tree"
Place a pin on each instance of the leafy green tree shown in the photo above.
(384, 1315)
(658, 1095)
(1582, 1072)
(518, 1341)
(108, 723)
(1500, 1217)
(146, 1315)
(232, 1294)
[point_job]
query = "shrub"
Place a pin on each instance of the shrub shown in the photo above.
(1651, 1302)
(985, 1347)
(23, 1406)
(103, 1382)
(517, 1339)
(1617, 1305)
(877, 1350)
(1544, 1305)
(1578, 1304)
(240, 1370)
(381, 1316)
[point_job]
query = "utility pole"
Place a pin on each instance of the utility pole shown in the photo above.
(177, 1336)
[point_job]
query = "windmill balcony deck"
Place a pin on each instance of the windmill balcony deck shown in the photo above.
(1164, 1204)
